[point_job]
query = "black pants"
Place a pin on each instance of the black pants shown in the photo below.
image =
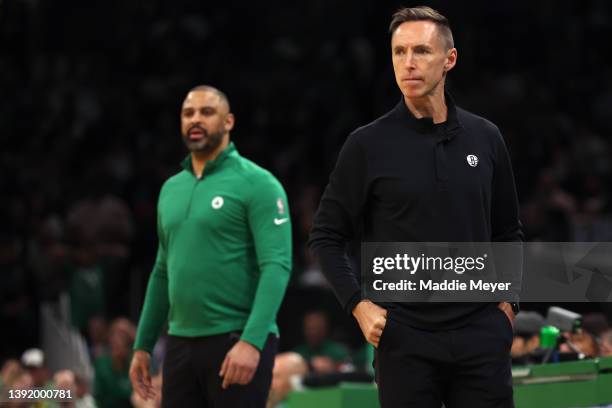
(191, 373)
(465, 367)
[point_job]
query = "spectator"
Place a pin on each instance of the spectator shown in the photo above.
(80, 396)
(582, 342)
(286, 366)
(322, 354)
(595, 323)
(104, 220)
(84, 399)
(22, 381)
(605, 344)
(98, 337)
(10, 370)
(86, 287)
(526, 336)
(112, 386)
(34, 362)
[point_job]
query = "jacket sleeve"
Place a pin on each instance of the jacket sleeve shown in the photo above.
(338, 221)
(270, 224)
(156, 303)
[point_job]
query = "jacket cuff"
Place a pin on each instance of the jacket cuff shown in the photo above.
(350, 305)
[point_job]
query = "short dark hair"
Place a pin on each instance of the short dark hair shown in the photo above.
(423, 13)
(209, 88)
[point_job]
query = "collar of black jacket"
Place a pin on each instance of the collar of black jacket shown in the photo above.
(426, 124)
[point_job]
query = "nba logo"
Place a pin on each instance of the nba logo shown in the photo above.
(472, 160)
(280, 205)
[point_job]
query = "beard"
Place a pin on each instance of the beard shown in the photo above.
(206, 144)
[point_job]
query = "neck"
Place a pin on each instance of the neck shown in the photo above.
(199, 159)
(432, 105)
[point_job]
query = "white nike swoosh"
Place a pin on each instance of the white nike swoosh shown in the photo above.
(279, 221)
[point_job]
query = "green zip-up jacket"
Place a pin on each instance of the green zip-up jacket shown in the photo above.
(224, 255)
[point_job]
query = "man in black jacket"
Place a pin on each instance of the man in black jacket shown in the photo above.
(427, 171)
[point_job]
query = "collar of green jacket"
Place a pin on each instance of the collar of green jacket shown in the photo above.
(214, 164)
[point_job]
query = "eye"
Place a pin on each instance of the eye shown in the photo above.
(422, 50)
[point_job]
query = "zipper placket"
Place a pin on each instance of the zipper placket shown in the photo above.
(441, 161)
(195, 184)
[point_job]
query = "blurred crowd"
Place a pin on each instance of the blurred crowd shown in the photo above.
(108, 387)
(592, 339)
(89, 129)
(320, 360)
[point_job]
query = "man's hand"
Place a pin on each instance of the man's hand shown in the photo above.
(372, 320)
(507, 309)
(240, 364)
(139, 374)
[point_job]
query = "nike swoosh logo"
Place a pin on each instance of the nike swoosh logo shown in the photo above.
(279, 221)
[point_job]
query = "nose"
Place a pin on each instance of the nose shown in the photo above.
(409, 60)
(196, 118)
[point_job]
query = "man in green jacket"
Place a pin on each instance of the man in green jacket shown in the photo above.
(222, 266)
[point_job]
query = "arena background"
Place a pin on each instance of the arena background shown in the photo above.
(89, 128)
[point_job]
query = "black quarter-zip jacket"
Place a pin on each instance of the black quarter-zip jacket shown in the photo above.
(403, 179)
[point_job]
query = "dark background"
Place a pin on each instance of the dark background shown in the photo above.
(89, 126)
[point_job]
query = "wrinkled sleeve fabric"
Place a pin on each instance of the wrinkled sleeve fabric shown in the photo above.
(270, 225)
(338, 221)
(156, 303)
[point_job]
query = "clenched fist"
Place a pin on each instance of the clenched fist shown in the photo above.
(372, 320)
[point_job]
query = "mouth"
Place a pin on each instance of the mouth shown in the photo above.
(412, 80)
(196, 134)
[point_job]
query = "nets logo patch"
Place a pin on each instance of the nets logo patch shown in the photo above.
(472, 160)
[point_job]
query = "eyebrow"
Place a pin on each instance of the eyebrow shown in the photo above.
(416, 47)
(187, 108)
(423, 47)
